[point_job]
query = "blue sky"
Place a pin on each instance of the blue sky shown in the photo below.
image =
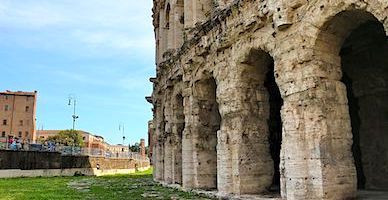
(101, 51)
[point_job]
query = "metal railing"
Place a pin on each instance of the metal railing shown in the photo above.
(74, 150)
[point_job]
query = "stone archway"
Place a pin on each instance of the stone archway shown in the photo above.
(178, 127)
(206, 123)
(250, 137)
(365, 73)
(351, 51)
(275, 102)
(265, 106)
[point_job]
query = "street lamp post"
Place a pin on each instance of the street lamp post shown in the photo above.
(122, 132)
(74, 116)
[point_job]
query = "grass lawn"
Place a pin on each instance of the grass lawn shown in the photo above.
(135, 186)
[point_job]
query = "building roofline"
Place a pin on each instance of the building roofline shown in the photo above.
(19, 93)
(58, 130)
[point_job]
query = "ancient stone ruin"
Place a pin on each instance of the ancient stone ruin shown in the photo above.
(272, 96)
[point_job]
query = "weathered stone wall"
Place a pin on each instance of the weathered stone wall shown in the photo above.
(26, 162)
(234, 56)
(29, 160)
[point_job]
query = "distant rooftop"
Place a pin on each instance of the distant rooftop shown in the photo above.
(54, 132)
(19, 93)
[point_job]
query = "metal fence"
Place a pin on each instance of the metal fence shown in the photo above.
(73, 150)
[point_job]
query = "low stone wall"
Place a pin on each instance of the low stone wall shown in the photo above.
(28, 160)
(32, 164)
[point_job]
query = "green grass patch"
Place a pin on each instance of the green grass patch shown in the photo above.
(135, 186)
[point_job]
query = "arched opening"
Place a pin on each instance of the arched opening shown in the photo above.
(262, 99)
(179, 23)
(274, 124)
(178, 132)
(356, 43)
(167, 16)
(169, 28)
(161, 146)
(365, 73)
(205, 138)
(158, 155)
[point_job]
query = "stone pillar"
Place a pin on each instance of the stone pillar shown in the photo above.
(187, 141)
(162, 35)
(158, 155)
(178, 25)
(177, 131)
(245, 163)
(142, 148)
(168, 143)
(159, 161)
(316, 158)
(158, 55)
(169, 27)
(151, 140)
(188, 14)
(168, 160)
(200, 137)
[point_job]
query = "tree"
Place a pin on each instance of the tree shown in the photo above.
(135, 147)
(68, 138)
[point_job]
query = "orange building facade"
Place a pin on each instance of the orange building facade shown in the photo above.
(17, 115)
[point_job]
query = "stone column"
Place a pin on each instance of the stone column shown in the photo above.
(245, 163)
(162, 35)
(158, 147)
(316, 158)
(188, 174)
(169, 27)
(168, 138)
(188, 14)
(177, 131)
(200, 136)
(142, 148)
(178, 25)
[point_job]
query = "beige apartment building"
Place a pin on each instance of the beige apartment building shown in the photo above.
(90, 140)
(17, 115)
(118, 149)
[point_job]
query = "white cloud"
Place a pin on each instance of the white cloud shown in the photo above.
(85, 13)
(31, 16)
(94, 26)
(129, 83)
(113, 40)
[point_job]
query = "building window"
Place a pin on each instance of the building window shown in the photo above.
(4, 122)
(83, 138)
(6, 107)
(6, 97)
(27, 98)
(27, 108)
(27, 133)
(21, 123)
(20, 134)
(3, 134)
